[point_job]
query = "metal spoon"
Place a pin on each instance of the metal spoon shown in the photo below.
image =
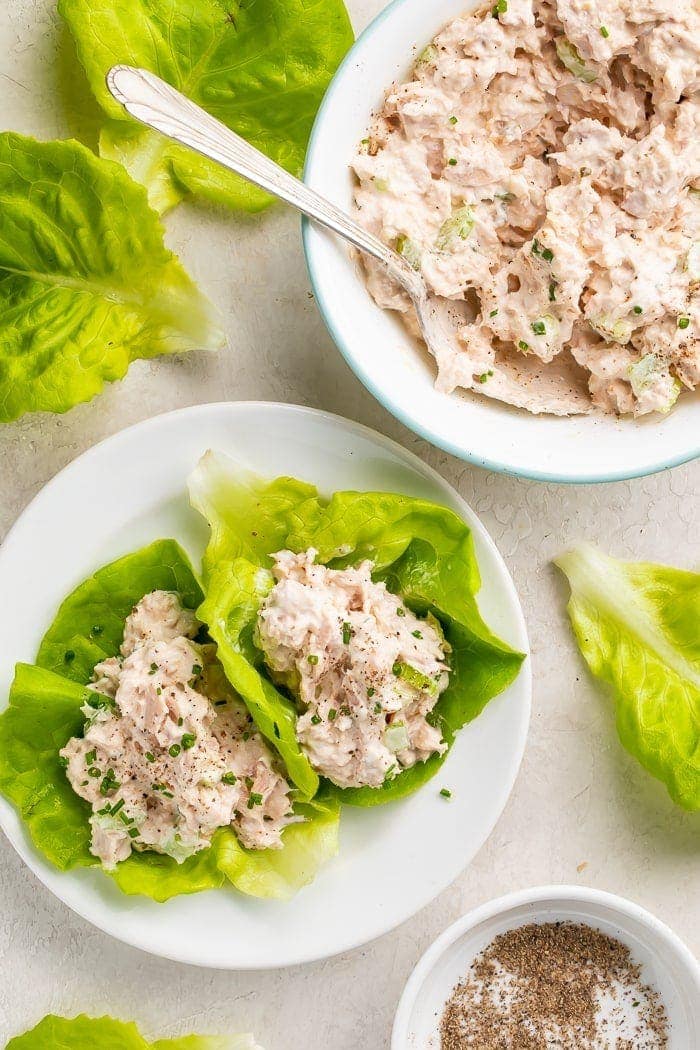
(159, 106)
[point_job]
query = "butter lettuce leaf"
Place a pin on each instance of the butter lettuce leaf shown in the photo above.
(422, 551)
(259, 66)
(44, 712)
(636, 624)
(86, 283)
(105, 1033)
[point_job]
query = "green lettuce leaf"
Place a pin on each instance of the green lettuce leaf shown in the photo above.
(104, 1033)
(86, 283)
(259, 66)
(422, 551)
(44, 711)
(89, 624)
(636, 625)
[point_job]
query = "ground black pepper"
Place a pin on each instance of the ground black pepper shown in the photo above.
(562, 985)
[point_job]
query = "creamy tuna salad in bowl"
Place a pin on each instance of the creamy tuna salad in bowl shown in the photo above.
(188, 733)
(537, 162)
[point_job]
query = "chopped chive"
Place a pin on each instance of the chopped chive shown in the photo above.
(254, 800)
(90, 757)
(452, 162)
(371, 691)
(483, 378)
(535, 249)
(396, 669)
(538, 327)
(180, 721)
(174, 750)
(332, 714)
(69, 656)
(150, 757)
(313, 659)
(117, 806)
(377, 708)
(683, 322)
(522, 345)
(347, 633)
(109, 783)
(453, 120)
(196, 669)
(499, 8)
(188, 741)
(552, 291)
(94, 772)
(364, 142)
(400, 611)
(133, 833)
(229, 778)
(637, 310)
(604, 31)
(249, 782)
(493, 313)
(153, 668)
(246, 735)
(547, 255)
(417, 634)
(445, 792)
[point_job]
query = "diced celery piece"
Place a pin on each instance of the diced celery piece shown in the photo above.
(409, 250)
(457, 228)
(568, 54)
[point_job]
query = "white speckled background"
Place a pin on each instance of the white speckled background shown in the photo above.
(582, 810)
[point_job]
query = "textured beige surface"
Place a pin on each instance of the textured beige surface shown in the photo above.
(582, 810)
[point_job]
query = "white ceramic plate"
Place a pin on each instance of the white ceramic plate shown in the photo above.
(667, 964)
(374, 342)
(130, 490)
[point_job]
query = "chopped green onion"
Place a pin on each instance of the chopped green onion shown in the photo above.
(377, 708)
(109, 783)
(188, 741)
(90, 757)
(116, 807)
(637, 309)
(400, 611)
(154, 668)
(552, 291)
(94, 772)
(452, 162)
(316, 720)
(539, 327)
(229, 778)
(254, 800)
(604, 31)
(371, 691)
(332, 714)
(453, 120)
(150, 757)
(445, 792)
(499, 8)
(683, 322)
(493, 313)
(133, 833)
(347, 633)
(313, 659)
(547, 255)
(196, 669)
(522, 345)
(174, 750)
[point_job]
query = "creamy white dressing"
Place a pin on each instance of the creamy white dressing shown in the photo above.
(169, 753)
(367, 671)
(542, 167)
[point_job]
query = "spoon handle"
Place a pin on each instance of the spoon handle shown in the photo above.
(158, 105)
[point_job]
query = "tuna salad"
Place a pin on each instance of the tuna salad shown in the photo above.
(541, 169)
(169, 753)
(366, 670)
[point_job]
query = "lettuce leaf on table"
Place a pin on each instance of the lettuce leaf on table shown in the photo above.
(105, 1033)
(637, 626)
(259, 66)
(44, 711)
(86, 283)
(422, 551)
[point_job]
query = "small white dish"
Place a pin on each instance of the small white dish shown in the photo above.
(130, 490)
(667, 964)
(375, 343)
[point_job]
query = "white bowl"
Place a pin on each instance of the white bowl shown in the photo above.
(384, 357)
(667, 964)
(384, 872)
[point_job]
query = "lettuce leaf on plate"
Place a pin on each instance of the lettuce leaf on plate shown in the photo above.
(104, 1033)
(422, 551)
(637, 626)
(259, 66)
(86, 283)
(44, 711)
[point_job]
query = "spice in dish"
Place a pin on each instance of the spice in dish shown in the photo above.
(564, 985)
(541, 168)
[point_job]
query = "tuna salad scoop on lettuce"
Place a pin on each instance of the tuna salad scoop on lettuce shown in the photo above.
(104, 1033)
(349, 627)
(126, 745)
